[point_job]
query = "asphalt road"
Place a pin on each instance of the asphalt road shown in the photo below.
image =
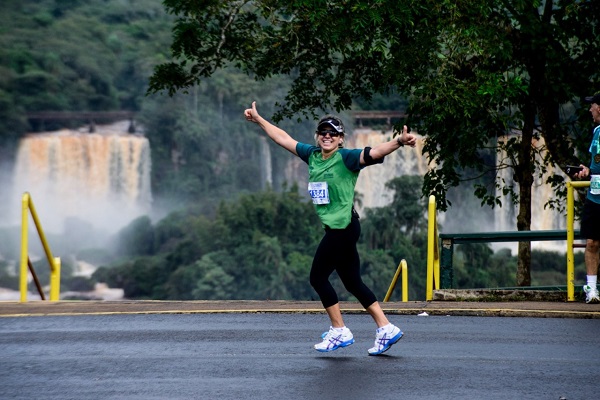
(270, 356)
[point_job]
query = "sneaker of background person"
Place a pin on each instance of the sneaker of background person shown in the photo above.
(591, 294)
(334, 339)
(385, 337)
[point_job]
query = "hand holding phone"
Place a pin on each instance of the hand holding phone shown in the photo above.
(571, 170)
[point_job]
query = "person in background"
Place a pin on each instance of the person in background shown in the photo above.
(590, 218)
(333, 172)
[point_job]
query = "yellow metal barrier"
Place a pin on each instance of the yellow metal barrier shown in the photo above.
(433, 252)
(27, 205)
(402, 267)
(571, 236)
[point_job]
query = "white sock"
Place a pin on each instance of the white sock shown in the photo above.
(385, 328)
(592, 280)
(340, 330)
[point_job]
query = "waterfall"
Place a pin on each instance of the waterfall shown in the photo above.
(102, 178)
(266, 165)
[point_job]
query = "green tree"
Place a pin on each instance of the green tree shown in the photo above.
(476, 71)
(298, 266)
(378, 269)
(477, 266)
(75, 56)
(136, 239)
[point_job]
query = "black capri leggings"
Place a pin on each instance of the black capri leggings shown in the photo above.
(590, 220)
(337, 252)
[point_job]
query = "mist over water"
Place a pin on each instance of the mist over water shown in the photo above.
(100, 178)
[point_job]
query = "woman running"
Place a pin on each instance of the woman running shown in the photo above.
(333, 172)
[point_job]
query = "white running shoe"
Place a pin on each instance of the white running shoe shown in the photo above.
(333, 340)
(385, 339)
(591, 294)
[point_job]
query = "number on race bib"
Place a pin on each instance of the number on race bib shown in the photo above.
(319, 192)
(595, 184)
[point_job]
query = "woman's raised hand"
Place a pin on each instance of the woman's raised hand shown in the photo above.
(251, 114)
(408, 138)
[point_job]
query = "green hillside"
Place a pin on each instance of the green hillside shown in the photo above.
(77, 55)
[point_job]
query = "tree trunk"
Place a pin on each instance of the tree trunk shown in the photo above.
(524, 251)
(525, 173)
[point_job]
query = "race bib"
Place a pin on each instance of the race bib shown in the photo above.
(595, 184)
(319, 192)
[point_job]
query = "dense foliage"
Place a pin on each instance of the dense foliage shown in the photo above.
(76, 55)
(476, 70)
(231, 237)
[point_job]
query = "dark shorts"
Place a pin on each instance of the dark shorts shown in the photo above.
(590, 220)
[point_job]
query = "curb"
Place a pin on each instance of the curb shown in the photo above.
(531, 309)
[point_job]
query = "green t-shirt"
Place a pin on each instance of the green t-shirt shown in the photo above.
(332, 182)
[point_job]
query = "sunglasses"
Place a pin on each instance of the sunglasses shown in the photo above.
(330, 133)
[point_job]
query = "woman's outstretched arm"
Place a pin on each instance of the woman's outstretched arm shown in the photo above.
(383, 149)
(278, 135)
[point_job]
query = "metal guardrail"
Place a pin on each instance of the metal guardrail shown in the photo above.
(27, 207)
(450, 239)
(402, 268)
(570, 234)
(91, 116)
(433, 253)
(388, 116)
(433, 260)
(81, 115)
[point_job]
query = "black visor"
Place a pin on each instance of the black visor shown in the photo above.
(331, 123)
